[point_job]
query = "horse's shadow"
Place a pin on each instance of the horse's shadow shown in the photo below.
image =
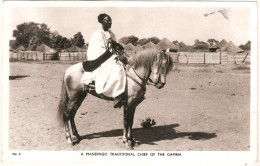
(154, 134)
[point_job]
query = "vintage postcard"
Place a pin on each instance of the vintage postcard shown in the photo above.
(94, 82)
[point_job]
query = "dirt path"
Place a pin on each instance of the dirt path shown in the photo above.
(202, 107)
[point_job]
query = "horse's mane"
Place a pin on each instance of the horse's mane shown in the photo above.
(146, 58)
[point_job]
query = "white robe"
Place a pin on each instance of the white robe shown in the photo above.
(110, 77)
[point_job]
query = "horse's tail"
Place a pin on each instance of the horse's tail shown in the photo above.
(62, 108)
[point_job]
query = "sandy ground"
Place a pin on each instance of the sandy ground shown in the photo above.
(201, 108)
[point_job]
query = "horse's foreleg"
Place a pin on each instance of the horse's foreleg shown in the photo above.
(128, 123)
(125, 120)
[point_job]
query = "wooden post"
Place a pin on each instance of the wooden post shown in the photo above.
(69, 55)
(245, 58)
(204, 58)
(220, 58)
(178, 57)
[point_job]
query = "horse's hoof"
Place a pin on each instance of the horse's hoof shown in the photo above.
(69, 141)
(76, 140)
(129, 146)
(136, 144)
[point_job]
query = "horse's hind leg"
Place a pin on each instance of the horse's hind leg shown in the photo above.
(73, 107)
(67, 132)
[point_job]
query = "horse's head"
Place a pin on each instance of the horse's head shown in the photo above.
(160, 68)
(155, 66)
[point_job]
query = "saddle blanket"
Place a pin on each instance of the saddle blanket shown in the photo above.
(110, 78)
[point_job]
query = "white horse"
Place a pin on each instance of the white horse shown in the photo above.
(146, 66)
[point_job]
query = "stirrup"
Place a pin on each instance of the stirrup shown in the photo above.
(89, 87)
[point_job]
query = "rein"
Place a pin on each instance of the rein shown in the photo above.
(140, 84)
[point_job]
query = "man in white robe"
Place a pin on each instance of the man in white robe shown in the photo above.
(110, 78)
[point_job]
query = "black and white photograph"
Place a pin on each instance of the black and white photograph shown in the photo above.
(97, 81)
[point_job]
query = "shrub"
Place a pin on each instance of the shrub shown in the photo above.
(148, 123)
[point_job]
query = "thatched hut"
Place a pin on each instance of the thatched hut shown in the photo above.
(122, 44)
(29, 48)
(138, 48)
(232, 48)
(130, 47)
(20, 48)
(165, 44)
(73, 49)
(44, 48)
(84, 48)
(213, 48)
(149, 45)
(48, 53)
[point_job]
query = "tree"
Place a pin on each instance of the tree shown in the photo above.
(56, 42)
(246, 47)
(143, 41)
(31, 34)
(200, 45)
(155, 40)
(59, 42)
(183, 47)
(123, 40)
(78, 40)
(130, 39)
(212, 42)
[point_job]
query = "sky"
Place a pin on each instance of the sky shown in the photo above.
(182, 23)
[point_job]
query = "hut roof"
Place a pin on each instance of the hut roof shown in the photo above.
(149, 45)
(20, 48)
(73, 49)
(43, 48)
(164, 44)
(138, 48)
(84, 48)
(130, 47)
(29, 48)
(122, 44)
(230, 47)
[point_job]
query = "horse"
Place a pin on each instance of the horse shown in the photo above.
(148, 66)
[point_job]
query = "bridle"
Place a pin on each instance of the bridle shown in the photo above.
(150, 81)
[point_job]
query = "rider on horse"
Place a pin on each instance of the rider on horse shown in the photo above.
(104, 63)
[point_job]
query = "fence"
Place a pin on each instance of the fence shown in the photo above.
(211, 58)
(35, 55)
(72, 56)
(32, 55)
(180, 57)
